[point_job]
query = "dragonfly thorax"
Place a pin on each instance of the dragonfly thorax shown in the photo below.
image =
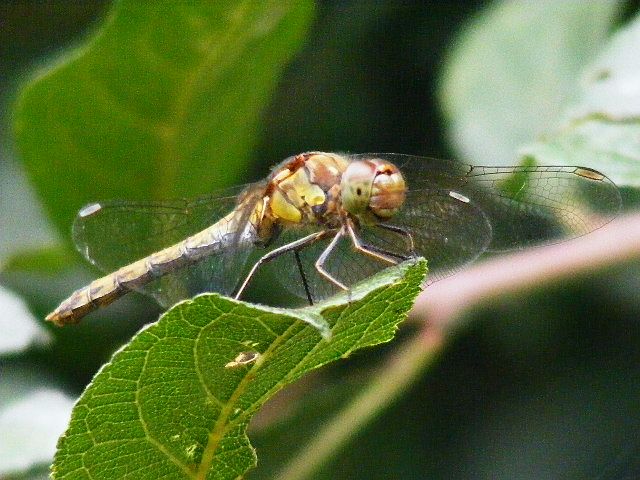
(322, 188)
(372, 190)
(306, 189)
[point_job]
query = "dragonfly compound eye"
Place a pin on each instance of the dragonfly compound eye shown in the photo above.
(372, 186)
(387, 191)
(356, 185)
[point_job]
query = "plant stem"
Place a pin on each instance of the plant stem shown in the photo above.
(440, 307)
(388, 385)
(443, 303)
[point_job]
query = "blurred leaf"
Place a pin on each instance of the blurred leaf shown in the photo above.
(163, 101)
(21, 376)
(23, 224)
(172, 403)
(19, 328)
(51, 260)
(610, 146)
(79, 351)
(603, 128)
(37, 472)
(30, 428)
(513, 70)
(610, 85)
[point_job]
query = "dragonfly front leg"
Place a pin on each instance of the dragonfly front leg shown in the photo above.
(275, 253)
(407, 235)
(376, 253)
(368, 249)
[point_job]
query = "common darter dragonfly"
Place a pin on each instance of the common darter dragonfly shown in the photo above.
(325, 221)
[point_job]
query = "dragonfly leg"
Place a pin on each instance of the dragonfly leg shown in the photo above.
(387, 253)
(375, 252)
(406, 234)
(275, 253)
(303, 276)
(323, 257)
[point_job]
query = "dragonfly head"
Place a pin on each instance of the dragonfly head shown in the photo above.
(372, 187)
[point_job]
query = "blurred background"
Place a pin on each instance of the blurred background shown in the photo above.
(541, 385)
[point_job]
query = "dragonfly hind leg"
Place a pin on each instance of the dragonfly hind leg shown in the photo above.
(323, 258)
(303, 276)
(273, 254)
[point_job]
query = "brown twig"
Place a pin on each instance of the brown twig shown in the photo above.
(442, 303)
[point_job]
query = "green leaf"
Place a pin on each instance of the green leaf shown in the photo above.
(603, 128)
(513, 186)
(163, 101)
(50, 260)
(514, 69)
(176, 401)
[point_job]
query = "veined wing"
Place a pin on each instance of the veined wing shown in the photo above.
(115, 233)
(526, 205)
(454, 212)
(446, 230)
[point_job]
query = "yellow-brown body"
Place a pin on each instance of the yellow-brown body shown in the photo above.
(449, 218)
(308, 189)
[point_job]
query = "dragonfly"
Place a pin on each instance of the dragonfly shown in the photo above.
(321, 222)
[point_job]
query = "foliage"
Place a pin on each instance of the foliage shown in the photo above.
(160, 98)
(164, 99)
(514, 69)
(175, 403)
(603, 127)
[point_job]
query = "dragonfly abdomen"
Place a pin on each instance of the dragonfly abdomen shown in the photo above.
(98, 293)
(107, 289)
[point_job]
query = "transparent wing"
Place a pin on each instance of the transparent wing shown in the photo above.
(526, 205)
(183, 283)
(344, 263)
(115, 233)
(454, 212)
(447, 231)
(215, 273)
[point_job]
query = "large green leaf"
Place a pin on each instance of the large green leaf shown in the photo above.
(513, 70)
(163, 101)
(175, 402)
(602, 129)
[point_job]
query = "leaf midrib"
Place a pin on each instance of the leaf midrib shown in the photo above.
(171, 158)
(222, 424)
